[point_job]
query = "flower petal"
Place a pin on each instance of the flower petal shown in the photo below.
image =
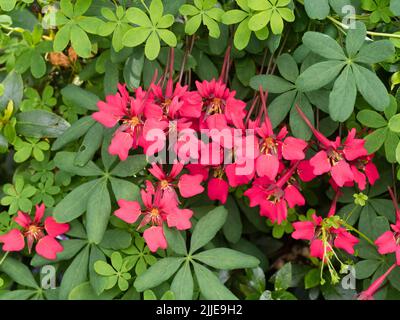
(48, 247)
(129, 211)
(155, 239)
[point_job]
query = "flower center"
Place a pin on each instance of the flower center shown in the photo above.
(215, 106)
(154, 212)
(334, 157)
(269, 146)
(34, 232)
(134, 121)
(165, 105)
(164, 184)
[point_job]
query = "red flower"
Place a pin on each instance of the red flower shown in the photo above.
(35, 231)
(274, 197)
(374, 287)
(336, 157)
(128, 111)
(219, 104)
(325, 234)
(188, 185)
(159, 208)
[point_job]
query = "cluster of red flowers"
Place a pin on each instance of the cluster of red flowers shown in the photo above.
(277, 161)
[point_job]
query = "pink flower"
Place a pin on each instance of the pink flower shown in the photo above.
(218, 100)
(324, 234)
(188, 185)
(35, 231)
(129, 113)
(364, 169)
(159, 208)
(218, 189)
(388, 242)
(374, 287)
(335, 156)
(178, 103)
(274, 197)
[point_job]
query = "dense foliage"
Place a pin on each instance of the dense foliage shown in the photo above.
(306, 93)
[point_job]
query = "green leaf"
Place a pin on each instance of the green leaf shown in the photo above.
(394, 123)
(65, 161)
(90, 144)
(138, 17)
(75, 274)
(242, 35)
(74, 132)
(193, 24)
(366, 268)
(182, 285)
(40, 124)
(299, 127)
(168, 37)
(212, 27)
(245, 70)
(312, 279)
(80, 98)
(98, 213)
(159, 272)
(371, 88)
(317, 9)
(226, 259)
(38, 65)
(13, 89)
(355, 39)
(210, 286)
(175, 240)
(391, 142)
(271, 83)
(287, 67)
(80, 42)
(319, 75)
(115, 239)
(375, 52)
(131, 166)
(395, 7)
(85, 291)
(323, 45)
(280, 107)
(19, 272)
(61, 39)
(233, 16)
(207, 227)
(133, 69)
(75, 203)
(205, 68)
(17, 294)
(136, 36)
(7, 5)
(152, 47)
(259, 20)
(125, 190)
(343, 96)
(97, 282)
(375, 140)
(283, 278)
(156, 10)
(103, 268)
(371, 119)
(233, 226)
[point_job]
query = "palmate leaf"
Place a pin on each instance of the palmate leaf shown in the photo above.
(347, 73)
(205, 12)
(150, 30)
